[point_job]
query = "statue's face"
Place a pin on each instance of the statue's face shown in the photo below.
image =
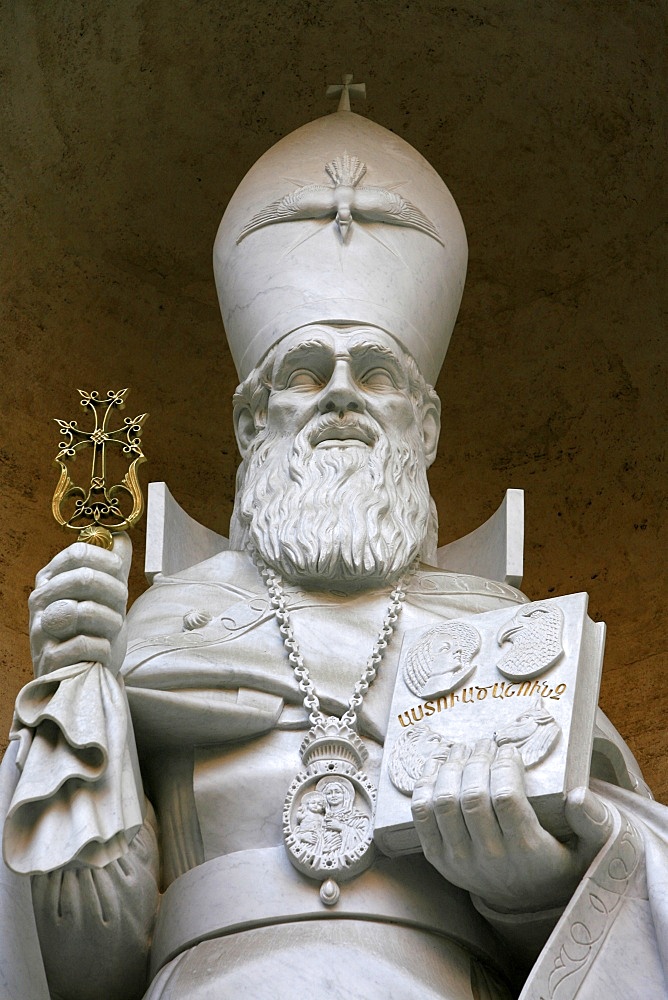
(334, 795)
(350, 371)
(448, 657)
(334, 489)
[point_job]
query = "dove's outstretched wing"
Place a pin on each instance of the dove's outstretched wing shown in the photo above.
(315, 201)
(379, 205)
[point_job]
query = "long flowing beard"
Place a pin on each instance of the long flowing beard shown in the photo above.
(328, 515)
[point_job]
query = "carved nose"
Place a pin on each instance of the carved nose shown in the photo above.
(341, 393)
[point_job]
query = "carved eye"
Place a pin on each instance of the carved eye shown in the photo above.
(304, 379)
(378, 378)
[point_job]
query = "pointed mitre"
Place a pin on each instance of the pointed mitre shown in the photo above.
(341, 221)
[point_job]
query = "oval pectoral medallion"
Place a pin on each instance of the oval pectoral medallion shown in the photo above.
(328, 821)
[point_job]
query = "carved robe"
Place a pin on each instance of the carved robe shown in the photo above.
(218, 719)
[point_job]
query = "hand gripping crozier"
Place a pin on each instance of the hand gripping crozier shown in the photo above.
(254, 688)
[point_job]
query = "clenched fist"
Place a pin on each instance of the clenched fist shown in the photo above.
(77, 610)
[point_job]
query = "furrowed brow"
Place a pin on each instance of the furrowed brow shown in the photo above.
(301, 353)
(370, 347)
(372, 351)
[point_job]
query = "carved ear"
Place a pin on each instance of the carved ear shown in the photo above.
(244, 427)
(431, 428)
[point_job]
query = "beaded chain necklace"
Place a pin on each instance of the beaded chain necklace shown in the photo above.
(329, 808)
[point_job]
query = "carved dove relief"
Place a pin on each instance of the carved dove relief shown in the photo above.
(346, 201)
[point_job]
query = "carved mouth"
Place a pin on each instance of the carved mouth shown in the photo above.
(341, 435)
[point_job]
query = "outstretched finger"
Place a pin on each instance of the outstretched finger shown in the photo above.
(447, 802)
(422, 807)
(476, 802)
(513, 810)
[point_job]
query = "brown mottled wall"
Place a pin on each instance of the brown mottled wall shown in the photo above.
(125, 128)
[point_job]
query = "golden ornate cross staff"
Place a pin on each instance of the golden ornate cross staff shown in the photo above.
(97, 510)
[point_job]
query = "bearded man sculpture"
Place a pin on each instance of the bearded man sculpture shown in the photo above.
(340, 264)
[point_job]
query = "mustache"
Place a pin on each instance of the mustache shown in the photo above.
(349, 425)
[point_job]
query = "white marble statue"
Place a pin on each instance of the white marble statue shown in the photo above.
(190, 793)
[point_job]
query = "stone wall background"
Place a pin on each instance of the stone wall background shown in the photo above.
(125, 129)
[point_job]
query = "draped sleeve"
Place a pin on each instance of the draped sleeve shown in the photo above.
(79, 794)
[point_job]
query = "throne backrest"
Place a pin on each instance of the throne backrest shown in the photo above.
(495, 550)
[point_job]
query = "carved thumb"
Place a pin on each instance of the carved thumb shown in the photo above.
(123, 549)
(589, 818)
